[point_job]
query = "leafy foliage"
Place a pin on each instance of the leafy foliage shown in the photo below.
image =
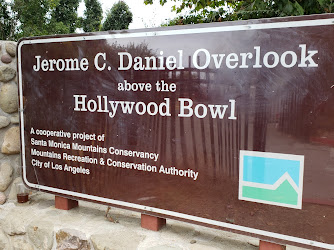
(118, 17)
(39, 17)
(280, 8)
(32, 16)
(66, 12)
(92, 16)
(204, 11)
(7, 23)
(24, 18)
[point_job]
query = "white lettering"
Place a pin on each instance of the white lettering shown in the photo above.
(96, 61)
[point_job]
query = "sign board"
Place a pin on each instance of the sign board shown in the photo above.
(227, 124)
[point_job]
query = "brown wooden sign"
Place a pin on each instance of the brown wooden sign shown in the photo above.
(228, 124)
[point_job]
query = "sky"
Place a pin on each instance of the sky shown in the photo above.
(144, 16)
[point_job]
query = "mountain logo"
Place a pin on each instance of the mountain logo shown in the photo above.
(271, 178)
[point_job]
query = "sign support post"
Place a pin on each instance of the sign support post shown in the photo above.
(65, 203)
(152, 222)
(265, 245)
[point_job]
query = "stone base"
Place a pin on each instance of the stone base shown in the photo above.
(38, 225)
(64, 203)
(152, 223)
(264, 245)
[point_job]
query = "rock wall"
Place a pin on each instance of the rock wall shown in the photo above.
(10, 170)
(38, 225)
